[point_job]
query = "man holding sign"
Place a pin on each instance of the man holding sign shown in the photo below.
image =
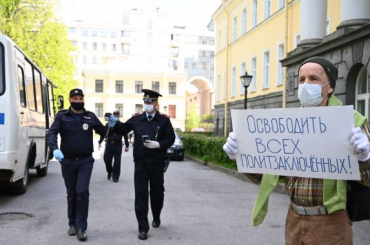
(317, 214)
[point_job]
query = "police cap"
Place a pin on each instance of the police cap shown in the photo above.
(75, 91)
(150, 95)
(116, 113)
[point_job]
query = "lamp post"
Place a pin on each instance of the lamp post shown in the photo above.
(165, 109)
(246, 81)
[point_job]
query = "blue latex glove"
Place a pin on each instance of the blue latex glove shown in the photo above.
(112, 121)
(58, 155)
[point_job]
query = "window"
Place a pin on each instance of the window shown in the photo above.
(22, 87)
(84, 45)
(235, 28)
(150, 24)
(38, 89)
(254, 73)
(233, 82)
(138, 87)
(242, 72)
(119, 107)
(85, 33)
(94, 60)
(29, 87)
(138, 108)
(155, 86)
(104, 46)
(2, 71)
(125, 48)
(174, 64)
(99, 109)
(95, 46)
(279, 65)
(74, 43)
(150, 35)
(172, 88)
(94, 33)
(281, 4)
(362, 92)
(104, 33)
(113, 34)
(175, 37)
(254, 13)
(244, 21)
(266, 70)
(72, 30)
(84, 59)
(125, 33)
(99, 86)
(172, 111)
(119, 86)
(175, 52)
(114, 47)
(267, 8)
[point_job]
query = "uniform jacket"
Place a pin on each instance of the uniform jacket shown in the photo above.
(334, 191)
(112, 136)
(76, 137)
(158, 129)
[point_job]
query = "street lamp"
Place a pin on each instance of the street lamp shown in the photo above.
(165, 109)
(246, 81)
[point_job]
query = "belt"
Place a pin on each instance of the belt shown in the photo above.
(76, 158)
(318, 210)
(114, 142)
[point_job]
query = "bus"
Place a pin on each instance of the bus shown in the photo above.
(26, 112)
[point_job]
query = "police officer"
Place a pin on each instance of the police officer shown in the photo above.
(75, 127)
(113, 148)
(150, 158)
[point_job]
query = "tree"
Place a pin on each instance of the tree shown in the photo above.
(193, 120)
(32, 25)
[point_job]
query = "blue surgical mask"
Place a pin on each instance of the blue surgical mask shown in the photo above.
(148, 108)
(310, 94)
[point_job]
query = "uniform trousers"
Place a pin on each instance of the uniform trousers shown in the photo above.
(113, 151)
(329, 229)
(148, 175)
(77, 175)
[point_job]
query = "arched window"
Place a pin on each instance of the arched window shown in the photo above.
(362, 92)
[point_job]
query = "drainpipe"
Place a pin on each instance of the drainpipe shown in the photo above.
(286, 13)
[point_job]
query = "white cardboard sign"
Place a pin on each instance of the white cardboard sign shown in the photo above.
(303, 142)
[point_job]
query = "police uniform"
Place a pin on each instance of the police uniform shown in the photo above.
(113, 149)
(76, 132)
(149, 163)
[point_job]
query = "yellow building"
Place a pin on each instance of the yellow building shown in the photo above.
(254, 36)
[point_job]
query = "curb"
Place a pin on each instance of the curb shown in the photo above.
(280, 188)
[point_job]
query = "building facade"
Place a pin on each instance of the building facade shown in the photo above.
(143, 50)
(255, 36)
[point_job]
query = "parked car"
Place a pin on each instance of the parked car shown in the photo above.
(201, 130)
(177, 150)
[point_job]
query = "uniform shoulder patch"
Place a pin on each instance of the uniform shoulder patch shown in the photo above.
(137, 114)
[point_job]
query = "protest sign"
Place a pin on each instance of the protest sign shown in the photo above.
(305, 142)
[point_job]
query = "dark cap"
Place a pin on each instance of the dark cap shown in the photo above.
(150, 95)
(75, 91)
(116, 113)
(330, 69)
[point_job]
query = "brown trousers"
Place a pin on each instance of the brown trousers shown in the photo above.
(330, 229)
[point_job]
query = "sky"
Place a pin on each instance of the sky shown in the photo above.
(191, 13)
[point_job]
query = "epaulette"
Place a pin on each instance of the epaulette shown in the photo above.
(164, 115)
(62, 111)
(137, 114)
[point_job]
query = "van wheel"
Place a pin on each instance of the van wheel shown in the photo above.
(42, 172)
(20, 186)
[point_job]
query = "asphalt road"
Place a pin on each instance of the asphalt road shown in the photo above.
(202, 206)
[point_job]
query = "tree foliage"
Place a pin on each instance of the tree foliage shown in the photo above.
(32, 25)
(193, 120)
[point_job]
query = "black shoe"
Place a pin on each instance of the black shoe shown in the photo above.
(143, 235)
(72, 230)
(115, 180)
(81, 235)
(156, 223)
(109, 176)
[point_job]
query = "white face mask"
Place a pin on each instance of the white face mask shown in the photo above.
(148, 108)
(310, 94)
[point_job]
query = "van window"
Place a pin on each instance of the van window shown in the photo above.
(22, 87)
(2, 69)
(38, 89)
(29, 87)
